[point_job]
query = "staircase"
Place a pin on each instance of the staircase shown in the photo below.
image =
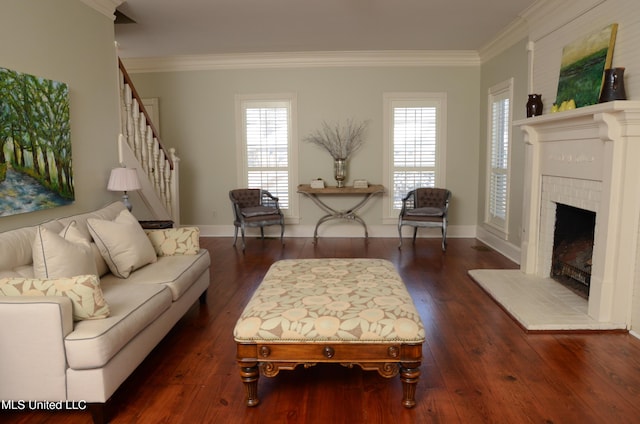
(139, 147)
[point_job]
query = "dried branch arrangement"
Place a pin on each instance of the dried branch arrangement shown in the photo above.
(341, 141)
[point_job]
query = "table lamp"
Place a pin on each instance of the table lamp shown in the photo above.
(124, 179)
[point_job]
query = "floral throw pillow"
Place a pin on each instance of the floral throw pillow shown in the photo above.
(175, 241)
(83, 290)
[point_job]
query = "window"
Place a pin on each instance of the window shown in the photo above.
(499, 136)
(266, 152)
(414, 145)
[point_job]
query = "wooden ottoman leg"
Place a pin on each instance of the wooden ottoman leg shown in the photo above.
(409, 375)
(249, 373)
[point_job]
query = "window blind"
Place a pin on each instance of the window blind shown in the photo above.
(267, 150)
(499, 158)
(414, 150)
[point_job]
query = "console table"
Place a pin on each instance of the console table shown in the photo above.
(315, 194)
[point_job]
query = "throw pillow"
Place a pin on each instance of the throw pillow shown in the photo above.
(175, 241)
(62, 255)
(83, 290)
(122, 243)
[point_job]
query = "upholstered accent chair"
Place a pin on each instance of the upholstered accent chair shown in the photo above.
(254, 207)
(425, 207)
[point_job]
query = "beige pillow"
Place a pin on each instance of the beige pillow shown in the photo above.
(175, 241)
(122, 243)
(83, 290)
(62, 255)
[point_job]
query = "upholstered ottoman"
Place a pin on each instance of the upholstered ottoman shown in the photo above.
(346, 311)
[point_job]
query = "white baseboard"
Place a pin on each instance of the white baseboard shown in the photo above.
(347, 230)
(509, 250)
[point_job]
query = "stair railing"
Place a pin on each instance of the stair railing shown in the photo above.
(140, 147)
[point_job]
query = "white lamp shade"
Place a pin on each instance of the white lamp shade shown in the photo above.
(123, 179)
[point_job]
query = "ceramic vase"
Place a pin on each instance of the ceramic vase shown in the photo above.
(534, 105)
(613, 85)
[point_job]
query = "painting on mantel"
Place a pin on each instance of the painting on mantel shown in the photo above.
(35, 144)
(583, 64)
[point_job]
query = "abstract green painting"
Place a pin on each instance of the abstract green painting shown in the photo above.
(583, 64)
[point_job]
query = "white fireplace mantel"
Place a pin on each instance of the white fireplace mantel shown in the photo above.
(600, 145)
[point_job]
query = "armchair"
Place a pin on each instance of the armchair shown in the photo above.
(254, 207)
(425, 207)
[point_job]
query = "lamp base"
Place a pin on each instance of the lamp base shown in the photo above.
(127, 203)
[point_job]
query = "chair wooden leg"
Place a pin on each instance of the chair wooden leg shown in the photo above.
(262, 233)
(242, 231)
(400, 235)
(235, 235)
(415, 233)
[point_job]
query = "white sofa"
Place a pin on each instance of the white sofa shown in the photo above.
(48, 354)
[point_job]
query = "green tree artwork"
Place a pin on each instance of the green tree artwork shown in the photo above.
(35, 144)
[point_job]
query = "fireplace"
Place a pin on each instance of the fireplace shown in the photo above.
(571, 259)
(586, 159)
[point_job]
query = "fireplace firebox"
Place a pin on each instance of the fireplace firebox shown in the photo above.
(571, 260)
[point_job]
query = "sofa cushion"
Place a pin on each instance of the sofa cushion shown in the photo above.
(123, 243)
(62, 255)
(83, 290)
(178, 272)
(133, 307)
(109, 213)
(175, 241)
(16, 245)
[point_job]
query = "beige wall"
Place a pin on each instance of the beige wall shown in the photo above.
(197, 118)
(67, 41)
(512, 63)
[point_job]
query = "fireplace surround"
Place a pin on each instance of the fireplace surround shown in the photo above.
(587, 158)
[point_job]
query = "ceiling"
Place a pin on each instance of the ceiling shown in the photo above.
(202, 27)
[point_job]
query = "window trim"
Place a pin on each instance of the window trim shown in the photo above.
(494, 225)
(290, 99)
(439, 100)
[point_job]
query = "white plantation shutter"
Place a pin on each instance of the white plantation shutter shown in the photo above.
(498, 161)
(267, 148)
(415, 145)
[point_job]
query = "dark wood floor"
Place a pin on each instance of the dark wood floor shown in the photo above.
(479, 366)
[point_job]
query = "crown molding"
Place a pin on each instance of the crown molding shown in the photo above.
(546, 16)
(398, 58)
(513, 33)
(536, 22)
(106, 7)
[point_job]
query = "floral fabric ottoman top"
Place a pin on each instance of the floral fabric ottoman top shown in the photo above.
(340, 300)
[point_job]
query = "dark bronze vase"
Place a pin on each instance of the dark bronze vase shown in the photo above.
(613, 85)
(534, 105)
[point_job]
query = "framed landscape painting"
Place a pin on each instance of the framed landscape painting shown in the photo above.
(583, 64)
(35, 144)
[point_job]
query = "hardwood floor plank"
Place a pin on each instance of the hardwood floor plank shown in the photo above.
(478, 365)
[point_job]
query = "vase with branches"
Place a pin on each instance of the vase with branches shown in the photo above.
(341, 141)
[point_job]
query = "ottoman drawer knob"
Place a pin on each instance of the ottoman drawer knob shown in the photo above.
(265, 351)
(328, 352)
(393, 351)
